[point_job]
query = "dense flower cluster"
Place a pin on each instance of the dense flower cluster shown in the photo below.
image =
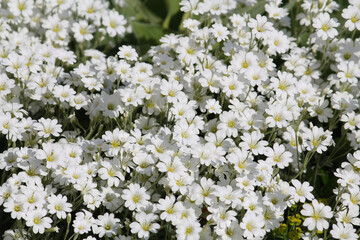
(210, 135)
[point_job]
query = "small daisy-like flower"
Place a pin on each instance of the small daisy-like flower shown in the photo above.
(213, 106)
(47, 127)
(252, 225)
(135, 197)
(107, 225)
(188, 230)
(316, 214)
(343, 231)
(144, 225)
(220, 32)
(170, 209)
(111, 172)
(278, 156)
(325, 26)
(83, 31)
(58, 205)
(229, 123)
(301, 191)
(252, 141)
(38, 221)
(114, 23)
(352, 16)
(128, 53)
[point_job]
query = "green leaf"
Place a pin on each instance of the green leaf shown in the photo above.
(258, 8)
(142, 12)
(290, 5)
(304, 38)
(147, 31)
(173, 7)
(324, 176)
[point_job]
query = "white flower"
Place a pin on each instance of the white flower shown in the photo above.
(213, 106)
(318, 139)
(221, 215)
(64, 93)
(135, 197)
(58, 205)
(47, 127)
(8, 125)
(325, 26)
(351, 119)
(188, 230)
(279, 116)
(107, 225)
(170, 208)
(252, 141)
(349, 215)
(219, 32)
(352, 14)
(229, 123)
(172, 91)
(6, 85)
(128, 52)
(230, 232)
(111, 171)
(301, 191)
(316, 214)
(278, 42)
(278, 156)
(348, 72)
(259, 26)
(144, 225)
(114, 23)
(252, 225)
(56, 27)
(21, 7)
(38, 221)
(83, 31)
(50, 152)
(83, 222)
(343, 231)
(14, 207)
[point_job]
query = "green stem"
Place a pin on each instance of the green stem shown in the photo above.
(185, 16)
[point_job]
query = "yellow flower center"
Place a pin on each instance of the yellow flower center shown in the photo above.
(21, 6)
(231, 124)
(112, 24)
(115, 143)
(136, 198)
(90, 10)
(170, 210)
(17, 208)
(31, 199)
(37, 220)
(325, 27)
(245, 64)
(354, 19)
(146, 227)
(56, 28)
(58, 207)
(111, 172)
(249, 226)
(107, 227)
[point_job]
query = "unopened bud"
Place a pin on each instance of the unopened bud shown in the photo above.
(68, 218)
(53, 229)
